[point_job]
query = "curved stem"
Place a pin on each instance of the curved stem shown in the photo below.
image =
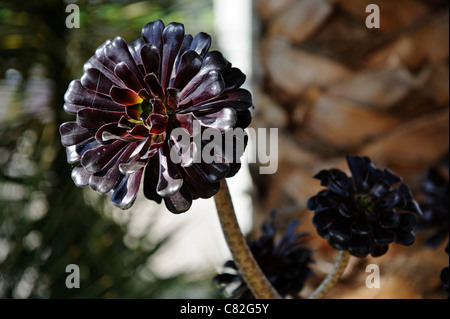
(250, 271)
(333, 277)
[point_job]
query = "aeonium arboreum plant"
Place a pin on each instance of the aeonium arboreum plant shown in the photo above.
(285, 262)
(129, 102)
(130, 99)
(365, 213)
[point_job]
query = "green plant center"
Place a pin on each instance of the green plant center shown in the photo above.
(364, 202)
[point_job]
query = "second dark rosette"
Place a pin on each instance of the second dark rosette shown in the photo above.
(130, 99)
(286, 263)
(366, 212)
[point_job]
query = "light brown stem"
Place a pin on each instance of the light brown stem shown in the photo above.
(250, 271)
(333, 277)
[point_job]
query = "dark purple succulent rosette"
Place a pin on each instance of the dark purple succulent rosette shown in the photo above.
(129, 100)
(285, 263)
(366, 212)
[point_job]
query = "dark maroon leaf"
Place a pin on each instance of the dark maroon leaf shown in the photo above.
(111, 132)
(104, 180)
(405, 238)
(94, 80)
(244, 119)
(102, 57)
(80, 176)
(153, 84)
(383, 236)
(239, 100)
(190, 65)
(157, 123)
(323, 219)
(151, 177)
(172, 36)
(222, 120)
(173, 96)
(152, 34)
(360, 246)
(379, 250)
(72, 108)
(125, 123)
(233, 78)
(179, 202)
(408, 221)
(361, 227)
(390, 219)
(75, 152)
(213, 172)
(169, 180)
(158, 107)
(117, 51)
(150, 57)
(96, 159)
(125, 193)
(340, 230)
(201, 44)
(234, 169)
(72, 133)
(210, 88)
(132, 166)
(134, 111)
(94, 118)
(213, 61)
(95, 63)
(185, 121)
(359, 169)
(125, 96)
(184, 47)
(135, 50)
(124, 73)
(79, 95)
(140, 131)
(198, 185)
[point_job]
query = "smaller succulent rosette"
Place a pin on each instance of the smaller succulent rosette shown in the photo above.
(365, 213)
(285, 263)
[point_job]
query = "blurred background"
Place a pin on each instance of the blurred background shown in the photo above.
(328, 83)
(333, 87)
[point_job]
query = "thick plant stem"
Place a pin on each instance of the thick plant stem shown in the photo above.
(250, 271)
(333, 277)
